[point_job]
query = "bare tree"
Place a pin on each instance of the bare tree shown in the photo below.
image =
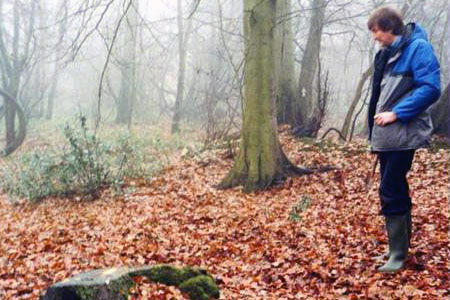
(307, 109)
(62, 31)
(183, 39)
(356, 98)
(284, 63)
(127, 66)
(16, 48)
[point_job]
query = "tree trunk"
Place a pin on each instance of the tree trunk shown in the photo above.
(14, 55)
(284, 63)
(62, 30)
(212, 87)
(18, 137)
(307, 110)
(123, 101)
(127, 93)
(261, 161)
(443, 46)
(40, 77)
(448, 64)
(351, 110)
(10, 121)
(182, 43)
(440, 114)
(14, 81)
(52, 93)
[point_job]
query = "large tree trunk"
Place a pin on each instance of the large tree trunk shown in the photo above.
(284, 63)
(261, 160)
(307, 109)
(440, 114)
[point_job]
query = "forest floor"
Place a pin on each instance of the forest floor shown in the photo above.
(274, 244)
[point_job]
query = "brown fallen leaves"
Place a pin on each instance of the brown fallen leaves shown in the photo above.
(246, 241)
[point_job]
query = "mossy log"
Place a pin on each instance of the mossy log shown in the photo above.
(115, 283)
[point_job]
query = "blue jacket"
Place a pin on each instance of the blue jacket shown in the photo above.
(406, 81)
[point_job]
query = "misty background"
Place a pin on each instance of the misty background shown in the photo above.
(178, 64)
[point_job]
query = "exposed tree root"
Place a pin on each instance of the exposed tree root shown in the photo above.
(341, 136)
(287, 169)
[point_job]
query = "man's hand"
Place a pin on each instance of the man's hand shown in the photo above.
(385, 118)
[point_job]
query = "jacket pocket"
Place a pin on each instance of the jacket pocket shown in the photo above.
(390, 137)
(419, 130)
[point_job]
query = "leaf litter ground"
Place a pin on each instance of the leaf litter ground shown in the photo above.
(248, 242)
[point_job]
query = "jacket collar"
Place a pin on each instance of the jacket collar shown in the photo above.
(399, 44)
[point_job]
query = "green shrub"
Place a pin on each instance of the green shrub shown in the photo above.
(31, 176)
(84, 165)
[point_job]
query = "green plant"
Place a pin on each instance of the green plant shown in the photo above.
(84, 165)
(131, 158)
(302, 205)
(31, 176)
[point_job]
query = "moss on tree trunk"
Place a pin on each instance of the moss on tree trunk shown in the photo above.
(261, 160)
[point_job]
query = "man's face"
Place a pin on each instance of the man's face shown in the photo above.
(384, 38)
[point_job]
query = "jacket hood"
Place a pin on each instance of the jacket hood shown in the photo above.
(416, 31)
(413, 31)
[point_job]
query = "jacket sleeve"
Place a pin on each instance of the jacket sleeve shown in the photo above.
(426, 75)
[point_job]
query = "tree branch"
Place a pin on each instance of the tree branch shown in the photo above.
(100, 87)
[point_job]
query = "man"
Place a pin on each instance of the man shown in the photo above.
(406, 81)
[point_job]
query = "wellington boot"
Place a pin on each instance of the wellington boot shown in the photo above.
(397, 229)
(386, 255)
(382, 257)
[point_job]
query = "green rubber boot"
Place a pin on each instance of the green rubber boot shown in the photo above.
(397, 228)
(409, 224)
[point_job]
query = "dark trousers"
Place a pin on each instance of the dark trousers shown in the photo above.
(394, 188)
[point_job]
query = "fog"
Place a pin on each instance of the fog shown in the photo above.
(137, 62)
